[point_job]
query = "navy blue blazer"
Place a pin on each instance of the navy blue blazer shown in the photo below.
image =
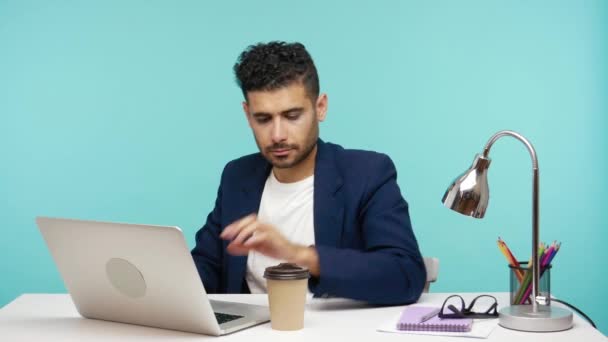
(363, 235)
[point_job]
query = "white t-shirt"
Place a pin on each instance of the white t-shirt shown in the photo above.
(289, 208)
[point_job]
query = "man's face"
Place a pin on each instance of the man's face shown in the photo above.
(285, 123)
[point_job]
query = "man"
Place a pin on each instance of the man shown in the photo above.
(337, 212)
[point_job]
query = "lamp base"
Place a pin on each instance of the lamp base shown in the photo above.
(546, 318)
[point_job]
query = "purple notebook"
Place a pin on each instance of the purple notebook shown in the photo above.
(411, 315)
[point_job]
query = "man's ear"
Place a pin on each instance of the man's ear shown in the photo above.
(246, 110)
(321, 106)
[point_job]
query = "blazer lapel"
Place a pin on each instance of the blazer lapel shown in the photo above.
(328, 203)
(252, 190)
(328, 206)
(253, 187)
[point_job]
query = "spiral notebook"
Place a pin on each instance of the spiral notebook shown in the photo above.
(411, 316)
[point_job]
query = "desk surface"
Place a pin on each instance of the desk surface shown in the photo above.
(53, 317)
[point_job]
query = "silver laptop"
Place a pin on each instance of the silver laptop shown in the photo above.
(139, 274)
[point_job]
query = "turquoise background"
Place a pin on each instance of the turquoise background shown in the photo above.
(128, 111)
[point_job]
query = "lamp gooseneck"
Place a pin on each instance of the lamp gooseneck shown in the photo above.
(535, 209)
(469, 195)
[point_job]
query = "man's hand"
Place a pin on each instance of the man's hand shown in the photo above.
(250, 234)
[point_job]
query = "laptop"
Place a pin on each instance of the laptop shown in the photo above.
(139, 274)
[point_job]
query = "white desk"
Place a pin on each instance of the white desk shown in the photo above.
(53, 317)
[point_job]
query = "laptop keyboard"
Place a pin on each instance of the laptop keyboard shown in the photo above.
(223, 318)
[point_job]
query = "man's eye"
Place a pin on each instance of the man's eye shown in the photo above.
(262, 120)
(293, 116)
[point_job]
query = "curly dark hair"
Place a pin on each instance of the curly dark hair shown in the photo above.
(269, 66)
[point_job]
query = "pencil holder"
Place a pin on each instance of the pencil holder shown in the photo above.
(521, 284)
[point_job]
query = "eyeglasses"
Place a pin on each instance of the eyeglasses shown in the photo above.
(486, 302)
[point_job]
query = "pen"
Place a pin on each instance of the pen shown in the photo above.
(429, 315)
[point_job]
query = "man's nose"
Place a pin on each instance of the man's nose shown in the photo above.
(278, 131)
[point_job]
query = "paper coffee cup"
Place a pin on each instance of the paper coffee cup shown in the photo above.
(287, 285)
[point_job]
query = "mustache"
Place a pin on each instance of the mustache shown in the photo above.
(281, 146)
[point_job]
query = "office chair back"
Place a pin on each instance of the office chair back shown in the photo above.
(432, 271)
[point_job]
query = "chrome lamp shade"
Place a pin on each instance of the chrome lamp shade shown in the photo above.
(469, 195)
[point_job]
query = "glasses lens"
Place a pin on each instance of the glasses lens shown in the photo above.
(452, 306)
(483, 304)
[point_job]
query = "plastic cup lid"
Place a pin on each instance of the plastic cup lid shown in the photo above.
(286, 271)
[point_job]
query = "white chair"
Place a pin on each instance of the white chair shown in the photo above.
(432, 271)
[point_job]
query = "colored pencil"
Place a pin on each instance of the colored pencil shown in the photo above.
(504, 249)
(547, 258)
(528, 276)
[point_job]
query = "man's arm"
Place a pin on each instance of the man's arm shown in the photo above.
(208, 253)
(250, 234)
(389, 269)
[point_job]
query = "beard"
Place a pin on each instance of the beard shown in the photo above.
(286, 162)
(297, 154)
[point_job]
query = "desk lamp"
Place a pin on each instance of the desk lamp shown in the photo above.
(469, 195)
